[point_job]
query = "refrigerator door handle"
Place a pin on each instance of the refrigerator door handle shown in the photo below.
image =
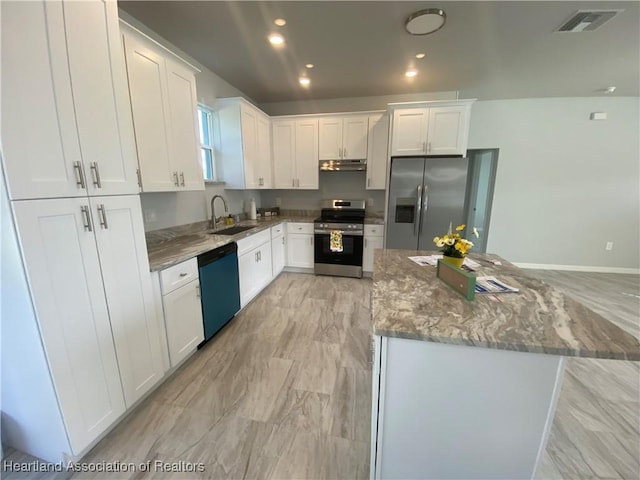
(417, 224)
(425, 193)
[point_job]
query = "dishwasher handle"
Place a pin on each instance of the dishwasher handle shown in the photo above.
(216, 254)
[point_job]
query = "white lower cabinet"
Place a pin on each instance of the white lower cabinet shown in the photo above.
(180, 289)
(254, 266)
(300, 245)
(278, 250)
(88, 272)
(373, 239)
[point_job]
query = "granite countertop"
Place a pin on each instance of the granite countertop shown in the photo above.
(170, 246)
(409, 301)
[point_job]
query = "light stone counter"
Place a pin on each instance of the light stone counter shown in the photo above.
(409, 301)
(174, 245)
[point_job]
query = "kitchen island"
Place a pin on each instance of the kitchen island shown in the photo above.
(468, 389)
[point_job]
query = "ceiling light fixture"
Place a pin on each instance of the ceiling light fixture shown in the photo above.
(419, 55)
(276, 40)
(424, 22)
(281, 22)
(610, 89)
(309, 65)
(412, 72)
(304, 81)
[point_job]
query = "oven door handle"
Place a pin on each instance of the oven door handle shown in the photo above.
(344, 233)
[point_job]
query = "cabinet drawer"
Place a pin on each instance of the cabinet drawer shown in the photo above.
(277, 230)
(299, 227)
(253, 241)
(178, 275)
(374, 230)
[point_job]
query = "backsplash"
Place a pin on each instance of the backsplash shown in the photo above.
(348, 185)
(169, 209)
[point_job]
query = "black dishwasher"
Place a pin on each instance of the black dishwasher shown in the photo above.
(219, 287)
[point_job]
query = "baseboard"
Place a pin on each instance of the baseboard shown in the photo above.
(298, 270)
(579, 268)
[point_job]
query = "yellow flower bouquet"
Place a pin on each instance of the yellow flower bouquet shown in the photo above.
(453, 244)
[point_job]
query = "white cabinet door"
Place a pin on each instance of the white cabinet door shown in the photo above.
(249, 281)
(63, 270)
(101, 98)
(127, 284)
(255, 271)
(264, 166)
(371, 243)
(330, 138)
(355, 131)
(448, 128)
(249, 146)
(306, 154)
(183, 319)
(278, 254)
(39, 136)
(377, 152)
(183, 110)
(283, 136)
(147, 89)
(300, 250)
(409, 135)
(264, 270)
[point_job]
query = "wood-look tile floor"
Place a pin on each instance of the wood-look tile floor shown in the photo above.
(284, 391)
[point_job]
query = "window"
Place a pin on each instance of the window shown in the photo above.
(205, 117)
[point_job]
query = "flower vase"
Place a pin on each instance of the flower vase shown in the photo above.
(453, 260)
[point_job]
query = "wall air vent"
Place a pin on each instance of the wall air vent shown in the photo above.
(587, 20)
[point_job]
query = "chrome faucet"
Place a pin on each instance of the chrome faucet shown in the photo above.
(215, 219)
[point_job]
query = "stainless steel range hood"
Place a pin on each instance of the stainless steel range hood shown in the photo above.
(343, 165)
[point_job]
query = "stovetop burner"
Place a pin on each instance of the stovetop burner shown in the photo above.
(342, 211)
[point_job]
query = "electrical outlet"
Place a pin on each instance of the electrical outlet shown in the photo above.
(369, 202)
(278, 202)
(609, 246)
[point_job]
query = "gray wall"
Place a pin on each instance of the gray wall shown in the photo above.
(565, 184)
(353, 104)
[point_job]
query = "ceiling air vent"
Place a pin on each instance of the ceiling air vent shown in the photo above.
(587, 20)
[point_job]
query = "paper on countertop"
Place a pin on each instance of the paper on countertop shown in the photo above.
(422, 260)
(493, 285)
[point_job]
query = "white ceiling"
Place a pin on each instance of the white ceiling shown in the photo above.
(486, 50)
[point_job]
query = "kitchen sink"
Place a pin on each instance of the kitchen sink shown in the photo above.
(230, 230)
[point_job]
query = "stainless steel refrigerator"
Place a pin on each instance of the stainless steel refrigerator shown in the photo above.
(425, 194)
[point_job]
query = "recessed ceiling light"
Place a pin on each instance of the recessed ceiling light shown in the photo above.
(309, 65)
(412, 72)
(426, 21)
(281, 22)
(276, 39)
(304, 81)
(419, 55)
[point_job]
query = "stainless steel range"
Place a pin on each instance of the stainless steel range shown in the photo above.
(338, 238)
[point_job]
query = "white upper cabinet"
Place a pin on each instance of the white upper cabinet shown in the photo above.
(63, 269)
(448, 130)
(66, 121)
(343, 137)
(377, 152)
(432, 129)
(162, 91)
(295, 153)
(244, 145)
(183, 108)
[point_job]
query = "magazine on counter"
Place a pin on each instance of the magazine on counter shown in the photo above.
(423, 260)
(493, 285)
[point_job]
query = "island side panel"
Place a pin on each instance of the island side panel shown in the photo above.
(451, 411)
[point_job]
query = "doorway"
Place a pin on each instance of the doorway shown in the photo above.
(483, 164)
